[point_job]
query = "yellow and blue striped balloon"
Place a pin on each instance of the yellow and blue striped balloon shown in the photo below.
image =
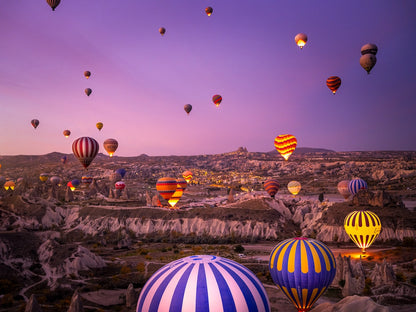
(303, 268)
(362, 227)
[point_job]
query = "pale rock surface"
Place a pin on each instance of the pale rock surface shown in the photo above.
(351, 304)
(69, 196)
(76, 303)
(383, 274)
(33, 305)
(352, 273)
(131, 296)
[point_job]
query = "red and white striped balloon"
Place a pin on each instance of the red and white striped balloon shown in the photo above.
(85, 149)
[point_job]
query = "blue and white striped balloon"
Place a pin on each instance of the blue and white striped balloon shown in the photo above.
(203, 283)
(356, 184)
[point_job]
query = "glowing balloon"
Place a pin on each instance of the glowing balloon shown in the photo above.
(343, 188)
(301, 40)
(302, 268)
(67, 133)
(9, 185)
(217, 99)
(120, 185)
(99, 125)
(110, 145)
(362, 227)
(86, 179)
(88, 91)
(162, 30)
(53, 3)
(182, 183)
(69, 184)
(43, 177)
(85, 149)
(166, 187)
(285, 145)
(369, 48)
(180, 188)
(35, 123)
(294, 187)
(367, 61)
(187, 175)
(355, 185)
(272, 187)
(209, 11)
(187, 108)
(203, 283)
(87, 74)
(333, 83)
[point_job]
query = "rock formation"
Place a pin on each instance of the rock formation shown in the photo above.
(383, 274)
(350, 275)
(33, 305)
(69, 196)
(148, 199)
(76, 303)
(351, 304)
(131, 296)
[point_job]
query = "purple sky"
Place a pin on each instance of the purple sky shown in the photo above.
(245, 52)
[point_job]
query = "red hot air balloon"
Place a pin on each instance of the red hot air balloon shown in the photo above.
(209, 11)
(217, 99)
(120, 185)
(85, 149)
(285, 145)
(333, 83)
(67, 133)
(35, 123)
(272, 187)
(53, 3)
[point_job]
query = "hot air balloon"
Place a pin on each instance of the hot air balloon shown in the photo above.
(362, 227)
(99, 125)
(203, 283)
(121, 171)
(182, 183)
(166, 187)
(88, 91)
(302, 268)
(86, 179)
(9, 185)
(162, 30)
(272, 187)
(69, 184)
(367, 61)
(355, 185)
(120, 185)
(333, 83)
(187, 108)
(369, 48)
(301, 40)
(180, 188)
(35, 123)
(85, 149)
(55, 180)
(75, 182)
(285, 145)
(208, 10)
(63, 159)
(187, 175)
(53, 3)
(343, 188)
(43, 177)
(110, 145)
(217, 99)
(87, 74)
(294, 187)
(67, 133)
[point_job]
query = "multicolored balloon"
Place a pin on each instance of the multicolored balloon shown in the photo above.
(217, 99)
(343, 188)
(87, 74)
(166, 187)
(35, 123)
(53, 3)
(86, 179)
(285, 145)
(85, 149)
(69, 184)
(187, 175)
(180, 188)
(333, 83)
(187, 108)
(99, 125)
(162, 30)
(110, 145)
(208, 11)
(120, 185)
(294, 187)
(67, 133)
(43, 177)
(272, 186)
(301, 40)
(203, 283)
(362, 227)
(355, 185)
(88, 91)
(9, 185)
(302, 268)
(367, 61)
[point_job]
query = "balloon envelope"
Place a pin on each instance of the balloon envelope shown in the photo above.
(67, 133)
(87, 74)
(99, 125)
(110, 145)
(302, 268)
(121, 171)
(355, 185)
(35, 123)
(301, 40)
(294, 187)
(285, 145)
(166, 187)
(187, 108)
(362, 227)
(9, 185)
(63, 159)
(333, 83)
(272, 187)
(187, 175)
(343, 188)
(203, 283)
(162, 30)
(43, 177)
(217, 99)
(367, 61)
(369, 48)
(53, 3)
(208, 11)
(88, 91)
(55, 180)
(85, 149)
(120, 185)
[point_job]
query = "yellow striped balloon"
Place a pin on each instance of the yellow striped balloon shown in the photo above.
(285, 144)
(187, 175)
(166, 187)
(362, 227)
(294, 187)
(302, 268)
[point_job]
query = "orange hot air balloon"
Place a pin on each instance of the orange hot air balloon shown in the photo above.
(182, 183)
(285, 144)
(187, 175)
(301, 40)
(217, 99)
(209, 11)
(166, 187)
(99, 125)
(110, 145)
(43, 177)
(9, 185)
(162, 30)
(88, 91)
(67, 133)
(87, 74)
(333, 83)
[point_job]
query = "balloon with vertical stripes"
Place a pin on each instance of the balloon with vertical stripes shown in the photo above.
(85, 149)
(302, 268)
(53, 3)
(356, 184)
(362, 227)
(203, 283)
